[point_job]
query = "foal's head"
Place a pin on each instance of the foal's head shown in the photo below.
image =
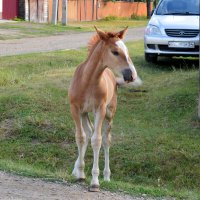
(116, 54)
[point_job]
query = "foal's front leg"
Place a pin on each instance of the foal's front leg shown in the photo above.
(96, 145)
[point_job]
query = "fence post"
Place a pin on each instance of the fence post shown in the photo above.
(45, 10)
(64, 12)
(54, 12)
(27, 11)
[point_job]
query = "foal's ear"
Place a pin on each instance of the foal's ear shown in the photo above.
(102, 34)
(122, 33)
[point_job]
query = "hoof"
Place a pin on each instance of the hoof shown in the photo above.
(94, 188)
(80, 180)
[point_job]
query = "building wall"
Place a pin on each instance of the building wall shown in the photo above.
(1, 5)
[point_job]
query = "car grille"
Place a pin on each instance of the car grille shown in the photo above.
(166, 48)
(151, 46)
(186, 33)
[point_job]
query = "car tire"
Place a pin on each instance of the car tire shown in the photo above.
(151, 57)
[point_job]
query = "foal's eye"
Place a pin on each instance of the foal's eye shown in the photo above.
(115, 53)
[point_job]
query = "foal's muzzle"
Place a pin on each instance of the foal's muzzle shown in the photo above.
(127, 74)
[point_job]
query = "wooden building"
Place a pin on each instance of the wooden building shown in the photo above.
(9, 9)
(1, 8)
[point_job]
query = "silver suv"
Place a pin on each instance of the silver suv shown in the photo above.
(173, 30)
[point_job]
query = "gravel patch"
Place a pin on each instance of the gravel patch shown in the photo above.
(14, 187)
(64, 41)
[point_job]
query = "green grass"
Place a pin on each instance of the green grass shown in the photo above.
(156, 140)
(110, 23)
(23, 29)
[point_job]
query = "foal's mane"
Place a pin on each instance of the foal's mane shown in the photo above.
(95, 40)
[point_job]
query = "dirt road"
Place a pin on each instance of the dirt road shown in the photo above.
(58, 42)
(14, 187)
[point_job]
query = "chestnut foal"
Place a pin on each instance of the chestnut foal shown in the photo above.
(94, 89)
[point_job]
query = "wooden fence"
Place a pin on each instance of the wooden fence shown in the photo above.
(78, 10)
(36, 10)
(88, 10)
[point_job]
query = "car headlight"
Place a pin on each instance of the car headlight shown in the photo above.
(152, 30)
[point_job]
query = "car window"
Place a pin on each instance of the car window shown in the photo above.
(185, 7)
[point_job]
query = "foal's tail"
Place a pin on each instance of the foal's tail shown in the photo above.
(90, 123)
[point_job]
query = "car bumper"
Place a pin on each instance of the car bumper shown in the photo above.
(159, 46)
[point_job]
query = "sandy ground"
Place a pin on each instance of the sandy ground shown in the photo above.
(14, 187)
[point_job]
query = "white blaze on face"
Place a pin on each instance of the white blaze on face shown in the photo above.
(123, 47)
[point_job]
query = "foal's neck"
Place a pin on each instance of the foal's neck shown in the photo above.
(93, 67)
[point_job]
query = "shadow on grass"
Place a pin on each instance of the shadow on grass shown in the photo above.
(177, 63)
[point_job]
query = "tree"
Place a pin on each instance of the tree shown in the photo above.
(199, 106)
(148, 8)
(64, 12)
(92, 9)
(199, 91)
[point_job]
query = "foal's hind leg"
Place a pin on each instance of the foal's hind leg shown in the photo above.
(110, 112)
(82, 142)
(106, 146)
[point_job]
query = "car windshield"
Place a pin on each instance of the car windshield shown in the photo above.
(179, 7)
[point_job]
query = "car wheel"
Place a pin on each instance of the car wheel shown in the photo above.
(151, 57)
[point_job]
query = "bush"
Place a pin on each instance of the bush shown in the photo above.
(110, 18)
(136, 17)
